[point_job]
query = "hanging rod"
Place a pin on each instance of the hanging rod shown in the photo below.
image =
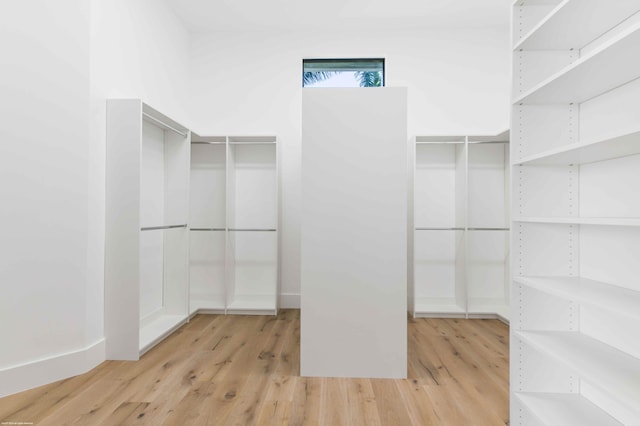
(208, 229)
(162, 123)
(439, 229)
(207, 143)
(252, 229)
(486, 142)
(488, 229)
(155, 228)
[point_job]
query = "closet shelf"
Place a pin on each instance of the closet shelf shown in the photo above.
(564, 27)
(427, 305)
(590, 152)
(440, 140)
(604, 69)
(476, 307)
(259, 303)
(162, 227)
(535, 2)
(589, 292)
(565, 409)
(603, 221)
(619, 376)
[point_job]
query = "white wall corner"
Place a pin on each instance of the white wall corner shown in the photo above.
(26, 376)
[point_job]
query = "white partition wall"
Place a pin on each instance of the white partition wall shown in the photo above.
(146, 265)
(575, 345)
(354, 233)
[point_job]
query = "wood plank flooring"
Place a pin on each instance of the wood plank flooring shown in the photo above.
(242, 370)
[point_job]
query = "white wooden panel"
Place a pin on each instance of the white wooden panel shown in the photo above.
(547, 191)
(208, 180)
(122, 237)
(152, 177)
(151, 272)
(435, 185)
(533, 67)
(610, 254)
(598, 323)
(435, 263)
(255, 186)
(176, 271)
(537, 128)
(487, 260)
(176, 178)
(528, 16)
(546, 249)
(256, 262)
(486, 199)
(612, 114)
(207, 271)
(611, 188)
(354, 213)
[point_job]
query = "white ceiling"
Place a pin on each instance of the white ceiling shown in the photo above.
(247, 15)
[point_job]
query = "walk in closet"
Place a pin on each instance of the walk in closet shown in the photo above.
(575, 355)
(147, 241)
(461, 235)
(233, 224)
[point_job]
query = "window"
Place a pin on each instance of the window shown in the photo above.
(343, 72)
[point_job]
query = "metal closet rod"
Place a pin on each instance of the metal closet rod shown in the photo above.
(462, 229)
(488, 229)
(253, 229)
(155, 228)
(162, 123)
(208, 229)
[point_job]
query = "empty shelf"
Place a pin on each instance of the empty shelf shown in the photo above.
(565, 410)
(253, 303)
(604, 221)
(604, 69)
(582, 153)
(619, 375)
(582, 290)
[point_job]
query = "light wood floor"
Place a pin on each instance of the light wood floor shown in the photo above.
(241, 370)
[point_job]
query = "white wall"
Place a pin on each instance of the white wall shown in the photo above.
(60, 61)
(44, 104)
(250, 82)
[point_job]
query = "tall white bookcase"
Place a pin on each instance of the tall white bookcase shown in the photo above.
(146, 259)
(575, 344)
(234, 225)
(461, 235)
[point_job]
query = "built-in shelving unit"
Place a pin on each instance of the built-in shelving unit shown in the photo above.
(461, 234)
(575, 158)
(146, 264)
(234, 222)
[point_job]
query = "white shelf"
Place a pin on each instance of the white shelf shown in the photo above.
(564, 28)
(158, 329)
(253, 303)
(488, 308)
(426, 305)
(604, 69)
(582, 290)
(583, 153)
(440, 139)
(205, 304)
(565, 410)
(603, 221)
(610, 369)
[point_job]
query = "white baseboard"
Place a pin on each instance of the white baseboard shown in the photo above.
(290, 300)
(26, 376)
